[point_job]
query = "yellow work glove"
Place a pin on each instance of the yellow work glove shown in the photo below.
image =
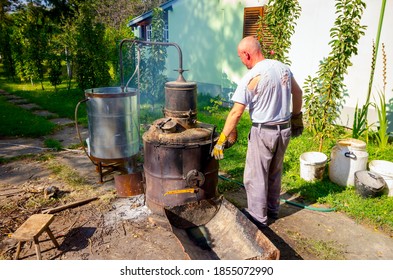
(218, 151)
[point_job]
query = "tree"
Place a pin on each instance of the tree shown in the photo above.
(31, 34)
(36, 36)
(6, 49)
(91, 53)
(153, 63)
(55, 59)
(6, 27)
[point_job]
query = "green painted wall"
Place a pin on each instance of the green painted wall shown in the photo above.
(200, 27)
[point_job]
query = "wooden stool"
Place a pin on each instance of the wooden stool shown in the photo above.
(31, 230)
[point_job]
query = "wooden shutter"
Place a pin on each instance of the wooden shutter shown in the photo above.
(252, 23)
(251, 19)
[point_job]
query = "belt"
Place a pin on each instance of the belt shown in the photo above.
(272, 126)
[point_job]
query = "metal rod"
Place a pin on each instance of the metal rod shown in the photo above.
(180, 70)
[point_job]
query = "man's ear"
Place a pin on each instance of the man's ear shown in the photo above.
(248, 56)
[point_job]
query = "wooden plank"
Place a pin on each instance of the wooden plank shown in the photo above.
(10, 192)
(70, 205)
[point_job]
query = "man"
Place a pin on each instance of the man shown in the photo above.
(266, 89)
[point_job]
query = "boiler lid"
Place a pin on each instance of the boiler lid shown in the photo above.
(196, 135)
(176, 84)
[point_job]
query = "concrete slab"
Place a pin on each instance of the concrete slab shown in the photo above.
(62, 121)
(18, 100)
(29, 106)
(45, 114)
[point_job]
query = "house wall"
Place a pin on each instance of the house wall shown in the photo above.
(310, 45)
(208, 32)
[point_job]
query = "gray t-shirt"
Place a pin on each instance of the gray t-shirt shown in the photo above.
(270, 101)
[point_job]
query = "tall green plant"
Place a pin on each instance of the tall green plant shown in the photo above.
(382, 135)
(375, 53)
(280, 20)
(324, 93)
(360, 124)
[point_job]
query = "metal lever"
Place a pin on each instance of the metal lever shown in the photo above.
(189, 190)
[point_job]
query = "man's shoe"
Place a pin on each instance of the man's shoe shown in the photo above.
(272, 215)
(251, 218)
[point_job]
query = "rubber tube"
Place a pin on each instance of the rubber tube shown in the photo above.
(287, 201)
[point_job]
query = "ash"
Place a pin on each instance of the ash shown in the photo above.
(130, 208)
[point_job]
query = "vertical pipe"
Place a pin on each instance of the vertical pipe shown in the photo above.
(180, 70)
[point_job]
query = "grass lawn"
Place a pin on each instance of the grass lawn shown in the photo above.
(377, 212)
(15, 121)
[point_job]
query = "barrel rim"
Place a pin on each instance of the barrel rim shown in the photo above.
(110, 92)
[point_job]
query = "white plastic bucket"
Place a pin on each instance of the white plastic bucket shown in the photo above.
(346, 158)
(312, 165)
(385, 169)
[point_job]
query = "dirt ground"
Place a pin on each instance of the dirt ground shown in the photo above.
(115, 228)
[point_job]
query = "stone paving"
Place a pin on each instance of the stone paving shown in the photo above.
(65, 133)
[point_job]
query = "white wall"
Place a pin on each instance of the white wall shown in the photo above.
(208, 32)
(310, 45)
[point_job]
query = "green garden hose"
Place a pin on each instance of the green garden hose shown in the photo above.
(285, 200)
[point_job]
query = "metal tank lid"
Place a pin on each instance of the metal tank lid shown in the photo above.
(352, 143)
(112, 92)
(181, 84)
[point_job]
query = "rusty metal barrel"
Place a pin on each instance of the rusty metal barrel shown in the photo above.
(178, 165)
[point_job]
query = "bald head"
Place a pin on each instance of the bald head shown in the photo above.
(249, 51)
(250, 44)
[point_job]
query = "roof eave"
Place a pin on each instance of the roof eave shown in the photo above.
(149, 14)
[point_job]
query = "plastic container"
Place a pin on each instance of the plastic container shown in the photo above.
(312, 165)
(347, 157)
(385, 169)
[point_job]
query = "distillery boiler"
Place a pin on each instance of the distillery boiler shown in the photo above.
(178, 166)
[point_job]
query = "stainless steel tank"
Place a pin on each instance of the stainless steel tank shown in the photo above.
(113, 122)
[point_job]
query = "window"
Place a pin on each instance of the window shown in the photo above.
(251, 20)
(166, 33)
(148, 32)
(251, 24)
